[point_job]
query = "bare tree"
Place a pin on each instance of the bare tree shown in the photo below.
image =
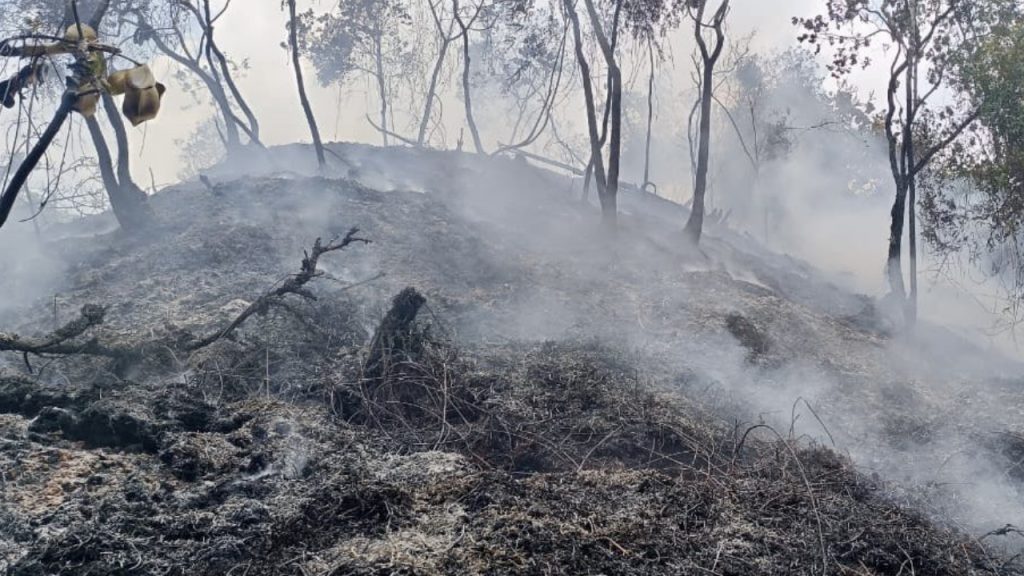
(465, 25)
(697, 9)
(88, 86)
(528, 51)
(293, 40)
(172, 36)
(607, 181)
(446, 34)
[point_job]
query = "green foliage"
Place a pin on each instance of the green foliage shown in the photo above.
(352, 37)
(973, 202)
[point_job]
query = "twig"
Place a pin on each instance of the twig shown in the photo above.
(293, 285)
(60, 341)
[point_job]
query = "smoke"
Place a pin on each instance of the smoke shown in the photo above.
(930, 409)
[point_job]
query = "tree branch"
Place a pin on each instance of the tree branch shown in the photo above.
(294, 285)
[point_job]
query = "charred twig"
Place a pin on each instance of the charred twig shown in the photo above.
(293, 285)
(62, 340)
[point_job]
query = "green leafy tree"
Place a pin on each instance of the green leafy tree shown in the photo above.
(923, 41)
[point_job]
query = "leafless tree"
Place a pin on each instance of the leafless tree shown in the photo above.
(697, 10)
(465, 25)
(607, 180)
(171, 29)
(293, 41)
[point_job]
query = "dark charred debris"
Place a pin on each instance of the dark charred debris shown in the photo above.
(287, 434)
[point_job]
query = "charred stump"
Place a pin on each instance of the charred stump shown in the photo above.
(394, 334)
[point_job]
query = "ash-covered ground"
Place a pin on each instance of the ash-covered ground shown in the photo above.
(566, 402)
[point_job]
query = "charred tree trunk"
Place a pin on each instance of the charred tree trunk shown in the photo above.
(118, 202)
(393, 334)
(893, 264)
(293, 35)
(695, 225)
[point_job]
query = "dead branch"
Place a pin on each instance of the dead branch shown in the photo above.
(62, 340)
(293, 285)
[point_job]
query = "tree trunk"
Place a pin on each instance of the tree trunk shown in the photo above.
(293, 37)
(129, 202)
(695, 225)
(596, 159)
(650, 119)
(252, 128)
(912, 105)
(467, 95)
(609, 204)
(232, 137)
(421, 136)
(378, 57)
(894, 268)
(130, 212)
(32, 158)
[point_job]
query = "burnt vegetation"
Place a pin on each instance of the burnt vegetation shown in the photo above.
(438, 356)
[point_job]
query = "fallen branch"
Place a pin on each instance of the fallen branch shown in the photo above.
(394, 135)
(293, 285)
(62, 340)
(574, 169)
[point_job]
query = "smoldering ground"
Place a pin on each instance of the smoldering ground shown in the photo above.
(508, 259)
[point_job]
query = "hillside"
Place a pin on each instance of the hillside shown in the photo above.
(566, 402)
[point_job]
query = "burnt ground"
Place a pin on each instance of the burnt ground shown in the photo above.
(565, 403)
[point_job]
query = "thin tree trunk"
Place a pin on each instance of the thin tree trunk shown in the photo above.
(211, 51)
(421, 136)
(35, 154)
(293, 37)
(588, 175)
(609, 204)
(897, 215)
(912, 104)
(128, 210)
(596, 159)
(254, 126)
(650, 118)
(467, 93)
(695, 225)
(609, 196)
(381, 87)
(232, 136)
